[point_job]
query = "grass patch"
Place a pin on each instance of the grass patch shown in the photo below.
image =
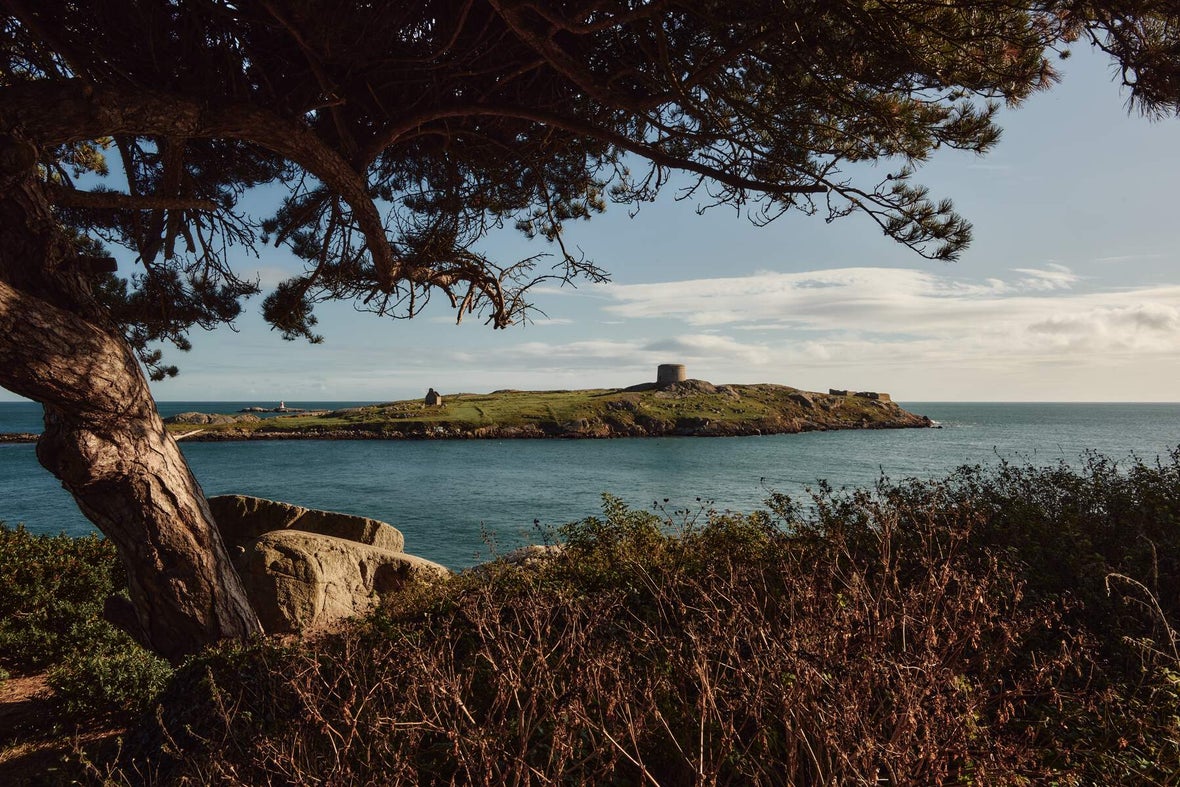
(737, 407)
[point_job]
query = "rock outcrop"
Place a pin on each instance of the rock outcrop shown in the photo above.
(306, 569)
(242, 518)
(298, 580)
(210, 419)
(685, 388)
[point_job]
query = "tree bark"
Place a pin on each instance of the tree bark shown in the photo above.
(103, 437)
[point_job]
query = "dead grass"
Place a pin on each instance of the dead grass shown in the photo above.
(995, 627)
(739, 650)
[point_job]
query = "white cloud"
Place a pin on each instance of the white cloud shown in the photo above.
(1052, 277)
(825, 299)
(632, 354)
(568, 290)
(1033, 333)
(1115, 258)
(1148, 327)
(709, 346)
(596, 349)
(868, 313)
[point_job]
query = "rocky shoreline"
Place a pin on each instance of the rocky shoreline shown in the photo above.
(600, 432)
(603, 432)
(687, 428)
(512, 432)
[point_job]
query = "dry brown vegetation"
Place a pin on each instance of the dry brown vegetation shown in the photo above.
(901, 635)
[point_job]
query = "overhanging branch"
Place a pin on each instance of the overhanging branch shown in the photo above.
(53, 112)
(648, 151)
(74, 198)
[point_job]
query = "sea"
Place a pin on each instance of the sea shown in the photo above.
(460, 502)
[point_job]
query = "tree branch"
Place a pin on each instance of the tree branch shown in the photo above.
(53, 112)
(74, 198)
(646, 150)
(556, 57)
(41, 352)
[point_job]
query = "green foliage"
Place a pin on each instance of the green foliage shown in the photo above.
(123, 679)
(1069, 528)
(52, 590)
(918, 632)
(51, 594)
(1143, 36)
(399, 136)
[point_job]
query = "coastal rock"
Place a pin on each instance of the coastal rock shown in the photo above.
(298, 580)
(241, 519)
(282, 408)
(691, 426)
(579, 426)
(199, 419)
(802, 399)
(531, 556)
(684, 388)
(209, 419)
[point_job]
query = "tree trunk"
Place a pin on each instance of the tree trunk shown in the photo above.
(103, 437)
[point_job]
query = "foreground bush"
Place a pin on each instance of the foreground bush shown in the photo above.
(120, 678)
(878, 636)
(52, 590)
(51, 594)
(1071, 528)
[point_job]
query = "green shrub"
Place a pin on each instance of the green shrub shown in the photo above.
(51, 593)
(52, 590)
(109, 681)
(1069, 528)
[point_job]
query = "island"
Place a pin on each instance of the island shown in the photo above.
(671, 406)
(680, 408)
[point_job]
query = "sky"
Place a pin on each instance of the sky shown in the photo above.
(1069, 292)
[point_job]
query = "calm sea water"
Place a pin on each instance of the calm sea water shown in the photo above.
(449, 497)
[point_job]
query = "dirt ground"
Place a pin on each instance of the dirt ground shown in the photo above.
(36, 742)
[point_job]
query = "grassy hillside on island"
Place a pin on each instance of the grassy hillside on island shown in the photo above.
(692, 407)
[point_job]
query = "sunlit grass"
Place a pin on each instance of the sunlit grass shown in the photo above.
(586, 410)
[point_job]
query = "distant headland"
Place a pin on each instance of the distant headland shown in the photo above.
(282, 408)
(673, 405)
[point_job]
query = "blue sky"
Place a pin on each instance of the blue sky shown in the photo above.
(1070, 291)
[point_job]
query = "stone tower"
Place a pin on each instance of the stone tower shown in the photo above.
(668, 373)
